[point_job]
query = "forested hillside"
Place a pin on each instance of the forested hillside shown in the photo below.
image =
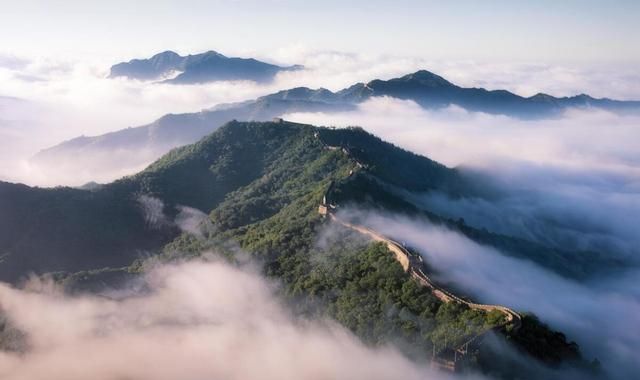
(261, 185)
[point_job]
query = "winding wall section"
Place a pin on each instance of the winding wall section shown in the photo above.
(413, 264)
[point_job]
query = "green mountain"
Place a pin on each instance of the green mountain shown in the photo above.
(261, 185)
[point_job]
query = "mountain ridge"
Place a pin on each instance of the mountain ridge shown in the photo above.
(205, 67)
(200, 176)
(260, 184)
(140, 145)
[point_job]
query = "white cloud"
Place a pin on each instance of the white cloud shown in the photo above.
(600, 315)
(198, 320)
(454, 136)
(578, 174)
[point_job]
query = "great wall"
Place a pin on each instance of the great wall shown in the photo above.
(448, 359)
(413, 264)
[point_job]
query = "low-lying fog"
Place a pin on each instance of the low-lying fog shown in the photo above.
(600, 314)
(573, 181)
(199, 320)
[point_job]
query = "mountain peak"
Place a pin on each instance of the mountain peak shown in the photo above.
(541, 96)
(584, 96)
(166, 53)
(303, 93)
(426, 78)
(211, 53)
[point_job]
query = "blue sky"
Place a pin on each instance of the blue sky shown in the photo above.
(542, 31)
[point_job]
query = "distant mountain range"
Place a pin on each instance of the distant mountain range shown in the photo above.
(134, 147)
(170, 67)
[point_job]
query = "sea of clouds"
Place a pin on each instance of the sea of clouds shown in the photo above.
(46, 100)
(571, 182)
(599, 314)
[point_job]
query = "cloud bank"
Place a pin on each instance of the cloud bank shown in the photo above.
(600, 315)
(571, 182)
(198, 320)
